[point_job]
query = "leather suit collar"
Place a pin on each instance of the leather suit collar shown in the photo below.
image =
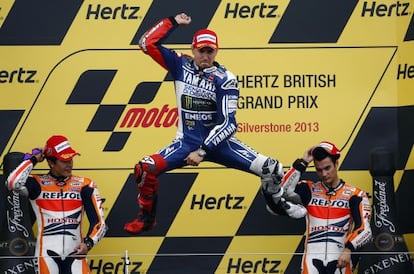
(333, 190)
(61, 180)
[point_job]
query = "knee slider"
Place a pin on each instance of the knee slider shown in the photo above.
(149, 167)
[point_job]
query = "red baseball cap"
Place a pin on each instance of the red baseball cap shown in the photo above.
(205, 38)
(329, 147)
(59, 147)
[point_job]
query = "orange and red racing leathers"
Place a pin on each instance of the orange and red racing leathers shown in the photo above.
(59, 204)
(337, 218)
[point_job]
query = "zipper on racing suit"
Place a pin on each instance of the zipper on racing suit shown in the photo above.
(327, 227)
(63, 219)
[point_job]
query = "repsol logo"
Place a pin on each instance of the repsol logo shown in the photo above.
(101, 267)
(157, 117)
(211, 203)
(247, 266)
(373, 8)
(61, 195)
(20, 75)
(123, 12)
(332, 203)
(235, 10)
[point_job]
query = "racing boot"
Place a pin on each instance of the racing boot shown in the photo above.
(272, 174)
(292, 197)
(146, 216)
(277, 205)
(295, 211)
(147, 184)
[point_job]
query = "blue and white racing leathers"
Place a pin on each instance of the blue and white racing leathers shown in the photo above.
(207, 103)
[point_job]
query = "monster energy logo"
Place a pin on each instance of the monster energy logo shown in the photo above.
(197, 104)
(188, 102)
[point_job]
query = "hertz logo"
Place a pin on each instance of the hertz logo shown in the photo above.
(20, 75)
(247, 266)
(405, 71)
(211, 203)
(381, 10)
(101, 267)
(244, 11)
(124, 12)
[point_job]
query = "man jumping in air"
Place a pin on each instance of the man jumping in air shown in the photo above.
(207, 95)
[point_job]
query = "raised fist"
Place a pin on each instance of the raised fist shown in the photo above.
(182, 19)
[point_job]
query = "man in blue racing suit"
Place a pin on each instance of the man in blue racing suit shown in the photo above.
(206, 95)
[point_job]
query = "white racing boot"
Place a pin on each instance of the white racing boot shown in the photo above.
(295, 211)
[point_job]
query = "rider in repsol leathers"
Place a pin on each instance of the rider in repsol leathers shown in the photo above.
(338, 213)
(206, 96)
(59, 200)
